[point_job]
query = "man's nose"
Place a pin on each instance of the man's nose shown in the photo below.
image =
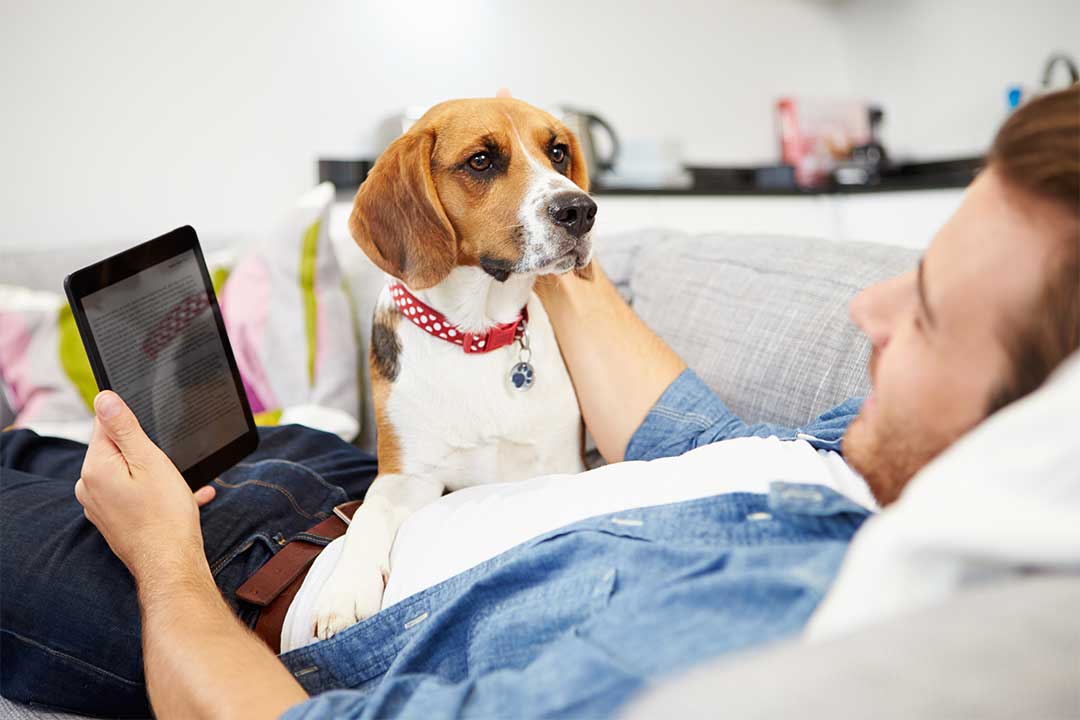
(876, 309)
(574, 211)
(861, 311)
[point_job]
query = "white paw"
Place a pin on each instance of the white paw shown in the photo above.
(349, 596)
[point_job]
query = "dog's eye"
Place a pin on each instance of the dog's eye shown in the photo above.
(480, 162)
(558, 154)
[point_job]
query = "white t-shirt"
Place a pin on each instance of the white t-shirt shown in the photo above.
(467, 527)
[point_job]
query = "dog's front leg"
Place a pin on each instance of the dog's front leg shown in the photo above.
(355, 587)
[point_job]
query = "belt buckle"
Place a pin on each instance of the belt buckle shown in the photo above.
(344, 511)
(341, 514)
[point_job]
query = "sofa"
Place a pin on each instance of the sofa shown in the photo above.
(763, 320)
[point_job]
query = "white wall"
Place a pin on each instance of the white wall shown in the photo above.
(122, 119)
(125, 119)
(941, 67)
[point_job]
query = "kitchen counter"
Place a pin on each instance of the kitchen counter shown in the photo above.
(906, 208)
(779, 180)
(735, 181)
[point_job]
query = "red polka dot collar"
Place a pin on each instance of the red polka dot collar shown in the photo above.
(435, 323)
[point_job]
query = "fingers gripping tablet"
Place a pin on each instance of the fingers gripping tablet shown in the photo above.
(154, 334)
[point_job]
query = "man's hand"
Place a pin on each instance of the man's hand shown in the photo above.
(201, 662)
(619, 367)
(136, 497)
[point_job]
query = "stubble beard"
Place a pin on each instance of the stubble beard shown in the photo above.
(884, 455)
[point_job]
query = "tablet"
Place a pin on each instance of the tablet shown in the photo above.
(153, 333)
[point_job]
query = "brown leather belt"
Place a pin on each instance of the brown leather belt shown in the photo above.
(275, 584)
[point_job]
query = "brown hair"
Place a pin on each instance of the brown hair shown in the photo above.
(1037, 151)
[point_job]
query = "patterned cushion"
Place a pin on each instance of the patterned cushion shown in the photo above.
(43, 367)
(763, 320)
(291, 326)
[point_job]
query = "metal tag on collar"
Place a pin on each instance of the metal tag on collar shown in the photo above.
(522, 374)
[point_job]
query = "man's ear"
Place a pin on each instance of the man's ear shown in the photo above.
(397, 218)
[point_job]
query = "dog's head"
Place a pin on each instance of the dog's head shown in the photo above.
(494, 183)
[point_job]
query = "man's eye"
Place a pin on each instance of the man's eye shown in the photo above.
(480, 162)
(558, 154)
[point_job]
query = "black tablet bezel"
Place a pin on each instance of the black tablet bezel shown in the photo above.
(123, 265)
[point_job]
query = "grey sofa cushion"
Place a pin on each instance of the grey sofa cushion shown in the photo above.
(15, 711)
(1009, 650)
(763, 320)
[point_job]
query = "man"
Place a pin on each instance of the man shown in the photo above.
(574, 621)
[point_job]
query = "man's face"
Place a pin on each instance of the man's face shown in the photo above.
(937, 333)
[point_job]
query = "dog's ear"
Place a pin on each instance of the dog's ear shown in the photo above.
(579, 174)
(397, 218)
(579, 170)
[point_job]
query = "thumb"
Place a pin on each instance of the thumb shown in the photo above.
(121, 425)
(100, 447)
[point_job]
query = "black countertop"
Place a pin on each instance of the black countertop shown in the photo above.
(766, 181)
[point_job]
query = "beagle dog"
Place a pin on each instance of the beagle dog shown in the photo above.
(463, 213)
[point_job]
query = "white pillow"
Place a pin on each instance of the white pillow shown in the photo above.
(1003, 501)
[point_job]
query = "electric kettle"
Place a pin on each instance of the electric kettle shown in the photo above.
(584, 124)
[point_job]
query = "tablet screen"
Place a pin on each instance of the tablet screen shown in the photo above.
(159, 344)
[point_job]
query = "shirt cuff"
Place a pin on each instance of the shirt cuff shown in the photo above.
(686, 410)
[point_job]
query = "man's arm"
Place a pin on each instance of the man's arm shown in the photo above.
(619, 367)
(200, 661)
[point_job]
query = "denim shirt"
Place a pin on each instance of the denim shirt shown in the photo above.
(689, 415)
(576, 621)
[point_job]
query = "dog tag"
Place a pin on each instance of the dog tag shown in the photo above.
(522, 376)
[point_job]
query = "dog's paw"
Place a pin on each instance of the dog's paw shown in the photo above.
(349, 596)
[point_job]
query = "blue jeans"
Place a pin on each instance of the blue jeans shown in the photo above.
(69, 616)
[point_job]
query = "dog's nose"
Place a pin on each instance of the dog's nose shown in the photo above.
(574, 211)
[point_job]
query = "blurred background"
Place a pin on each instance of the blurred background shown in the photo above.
(125, 119)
